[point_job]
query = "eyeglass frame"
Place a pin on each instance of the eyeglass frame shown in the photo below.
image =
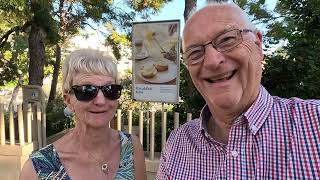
(214, 46)
(74, 91)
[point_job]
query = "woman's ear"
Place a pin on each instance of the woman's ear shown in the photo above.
(67, 101)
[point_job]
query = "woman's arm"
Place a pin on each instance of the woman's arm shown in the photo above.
(138, 158)
(28, 172)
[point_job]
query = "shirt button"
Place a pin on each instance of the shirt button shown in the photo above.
(234, 153)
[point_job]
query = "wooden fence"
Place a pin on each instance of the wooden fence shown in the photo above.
(26, 123)
(150, 120)
(23, 130)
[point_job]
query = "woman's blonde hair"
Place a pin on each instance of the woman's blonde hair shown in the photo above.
(87, 61)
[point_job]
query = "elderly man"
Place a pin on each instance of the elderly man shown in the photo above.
(243, 132)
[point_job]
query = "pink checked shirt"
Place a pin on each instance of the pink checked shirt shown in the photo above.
(275, 138)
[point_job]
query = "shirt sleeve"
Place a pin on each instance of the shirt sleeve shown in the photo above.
(162, 173)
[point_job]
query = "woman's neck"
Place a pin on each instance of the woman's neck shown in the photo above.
(92, 139)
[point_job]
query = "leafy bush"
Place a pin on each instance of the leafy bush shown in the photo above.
(56, 120)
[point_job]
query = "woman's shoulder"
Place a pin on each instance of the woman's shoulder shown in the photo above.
(47, 164)
(132, 156)
(44, 154)
(37, 162)
(28, 172)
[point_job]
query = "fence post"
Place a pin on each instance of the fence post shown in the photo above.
(21, 125)
(176, 120)
(44, 125)
(164, 129)
(189, 116)
(39, 124)
(152, 135)
(34, 122)
(130, 121)
(119, 119)
(11, 126)
(2, 126)
(29, 127)
(148, 131)
(141, 126)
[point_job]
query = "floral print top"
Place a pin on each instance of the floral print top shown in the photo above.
(47, 164)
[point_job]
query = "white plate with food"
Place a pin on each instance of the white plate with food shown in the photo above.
(156, 71)
(142, 55)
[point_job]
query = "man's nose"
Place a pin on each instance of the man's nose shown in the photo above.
(212, 57)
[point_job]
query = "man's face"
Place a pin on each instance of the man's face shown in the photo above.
(227, 80)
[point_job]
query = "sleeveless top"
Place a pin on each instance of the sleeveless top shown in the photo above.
(47, 164)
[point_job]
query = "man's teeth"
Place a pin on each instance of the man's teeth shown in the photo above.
(226, 76)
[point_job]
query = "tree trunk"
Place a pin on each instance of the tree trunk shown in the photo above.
(189, 6)
(56, 69)
(37, 55)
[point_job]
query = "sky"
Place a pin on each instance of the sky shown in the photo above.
(175, 8)
(171, 11)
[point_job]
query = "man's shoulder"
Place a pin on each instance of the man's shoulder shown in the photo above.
(187, 130)
(295, 101)
(297, 107)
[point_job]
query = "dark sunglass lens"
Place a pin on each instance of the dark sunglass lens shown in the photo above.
(85, 92)
(112, 91)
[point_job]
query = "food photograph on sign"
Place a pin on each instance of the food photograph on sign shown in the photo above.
(155, 54)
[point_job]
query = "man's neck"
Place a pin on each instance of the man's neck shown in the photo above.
(218, 130)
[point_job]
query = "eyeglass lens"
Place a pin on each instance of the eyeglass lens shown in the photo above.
(89, 92)
(224, 42)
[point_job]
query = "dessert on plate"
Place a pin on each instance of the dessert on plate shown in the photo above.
(148, 71)
(161, 65)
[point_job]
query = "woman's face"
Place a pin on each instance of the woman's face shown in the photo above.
(97, 112)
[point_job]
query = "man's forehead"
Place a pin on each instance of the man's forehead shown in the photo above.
(219, 13)
(219, 18)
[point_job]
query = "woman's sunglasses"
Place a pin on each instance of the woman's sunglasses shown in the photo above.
(88, 92)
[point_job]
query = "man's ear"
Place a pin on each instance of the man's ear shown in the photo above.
(258, 41)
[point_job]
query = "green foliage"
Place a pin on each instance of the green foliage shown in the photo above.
(147, 5)
(42, 17)
(116, 40)
(56, 120)
(192, 101)
(297, 73)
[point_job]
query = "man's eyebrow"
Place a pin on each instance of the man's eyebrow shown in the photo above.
(229, 27)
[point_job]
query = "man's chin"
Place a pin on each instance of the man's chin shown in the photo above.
(225, 102)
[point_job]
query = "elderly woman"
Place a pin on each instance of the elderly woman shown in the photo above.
(91, 150)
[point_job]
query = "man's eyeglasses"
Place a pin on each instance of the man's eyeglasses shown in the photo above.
(222, 43)
(89, 92)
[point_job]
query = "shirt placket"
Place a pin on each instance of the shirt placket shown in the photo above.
(236, 152)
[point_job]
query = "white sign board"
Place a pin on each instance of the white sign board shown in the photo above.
(156, 62)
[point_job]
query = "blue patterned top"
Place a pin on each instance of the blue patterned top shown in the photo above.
(47, 164)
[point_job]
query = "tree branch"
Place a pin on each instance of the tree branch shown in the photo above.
(5, 37)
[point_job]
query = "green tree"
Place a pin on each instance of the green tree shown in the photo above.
(33, 18)
(295, 69)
